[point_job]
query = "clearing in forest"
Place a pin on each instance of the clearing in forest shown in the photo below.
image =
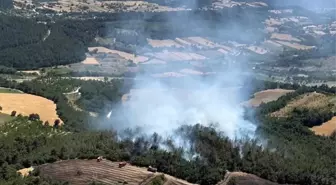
(326, 129)
(27, 104)
(267, 96)
(80, 172)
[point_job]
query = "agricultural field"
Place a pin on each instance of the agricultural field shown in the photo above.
(102, 64)
(80, 172)
(27, 104)
(326, 129)
(125, 55)
(310, 101)
(266, 96)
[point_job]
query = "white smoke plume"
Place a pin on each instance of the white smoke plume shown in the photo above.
(157, 107)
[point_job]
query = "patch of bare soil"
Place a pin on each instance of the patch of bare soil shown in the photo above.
(267, 96)
(326, 129)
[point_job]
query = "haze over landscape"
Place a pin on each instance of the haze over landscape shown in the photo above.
(151, 92)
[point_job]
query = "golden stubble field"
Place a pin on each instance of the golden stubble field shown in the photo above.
(26, 104)
(267, 96)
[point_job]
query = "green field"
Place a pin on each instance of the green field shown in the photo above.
(7, 90)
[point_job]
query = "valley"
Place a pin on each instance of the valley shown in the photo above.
(213, 92)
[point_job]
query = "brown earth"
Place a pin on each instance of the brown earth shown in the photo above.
(326, 129)
(82, 172)
(267, 96)
(26, 104)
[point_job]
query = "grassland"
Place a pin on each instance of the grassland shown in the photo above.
(27, 104)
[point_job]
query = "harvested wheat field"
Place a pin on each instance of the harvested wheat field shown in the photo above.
(267, 96)
(26, 104)
(310, 101)
(90, 61)
(326, 129)
(80, 172)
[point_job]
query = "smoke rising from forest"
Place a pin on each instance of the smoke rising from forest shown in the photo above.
(155, 107)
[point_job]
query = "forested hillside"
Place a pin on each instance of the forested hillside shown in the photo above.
(67, 42)
(46, 43)
(293, 153)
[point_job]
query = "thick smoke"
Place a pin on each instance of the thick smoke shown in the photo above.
(156, 107)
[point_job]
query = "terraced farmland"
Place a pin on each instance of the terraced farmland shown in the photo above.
(80, 172)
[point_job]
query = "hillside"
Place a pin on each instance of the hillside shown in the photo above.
(82, 172)
(312, 100)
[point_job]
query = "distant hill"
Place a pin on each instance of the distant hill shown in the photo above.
(6, 4)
